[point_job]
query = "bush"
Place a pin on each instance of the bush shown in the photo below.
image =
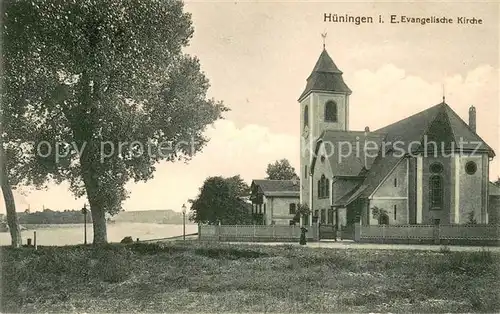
(127, 240)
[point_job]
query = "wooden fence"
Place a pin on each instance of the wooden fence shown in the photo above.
(256, 233)
(438, 234)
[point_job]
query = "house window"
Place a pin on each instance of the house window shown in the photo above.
(323, 216)
(395, 211)
(292, 208)
(306, 116)
(331, 111)
(470, 167)
(395, 182)
(436, 189)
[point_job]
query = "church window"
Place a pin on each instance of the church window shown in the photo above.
(323, 187)
(395, 182)
(331, 111)
(292, 209)
(436, 191)
(470, 167)
(306, 116)
(395, 211)
(436, 167)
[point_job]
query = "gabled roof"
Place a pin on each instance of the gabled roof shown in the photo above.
(278, 187)
(325, 76)
(343, 162)
(438, 123)
(494, 189)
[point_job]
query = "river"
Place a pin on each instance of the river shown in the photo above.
(70, 234)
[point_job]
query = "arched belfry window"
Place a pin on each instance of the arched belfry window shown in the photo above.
(306, 116)
(436, 192)
(330, 111)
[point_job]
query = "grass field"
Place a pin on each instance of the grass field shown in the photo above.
(199, 277)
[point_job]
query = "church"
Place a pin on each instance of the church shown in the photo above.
(429, 168)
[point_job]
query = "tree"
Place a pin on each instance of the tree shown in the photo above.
(303, 211)
(280, 170)
(114, 94)
(497, 182)
(220, 201)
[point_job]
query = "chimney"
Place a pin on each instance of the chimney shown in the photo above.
(472, 118)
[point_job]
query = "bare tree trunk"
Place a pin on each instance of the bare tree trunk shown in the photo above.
(99, 224)
(10, 205)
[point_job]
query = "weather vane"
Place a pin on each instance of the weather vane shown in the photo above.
(324, 38)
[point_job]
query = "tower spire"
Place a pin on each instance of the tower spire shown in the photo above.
(324, 38)
(444, 98)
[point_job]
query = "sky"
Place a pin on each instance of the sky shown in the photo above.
(257, 56)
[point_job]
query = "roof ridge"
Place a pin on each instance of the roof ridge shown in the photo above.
(408, 117)
(429, 123)
(468, 127)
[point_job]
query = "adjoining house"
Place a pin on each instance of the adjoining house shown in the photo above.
(430, 168)
(274, 201)
(494, 204)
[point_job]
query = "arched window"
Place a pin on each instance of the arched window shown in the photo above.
(436, 191)
(306, 116)
(323, 189)
(331, 111)
(327, 188)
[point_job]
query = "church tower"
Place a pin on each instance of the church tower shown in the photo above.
(324, 105)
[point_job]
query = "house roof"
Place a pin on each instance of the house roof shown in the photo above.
(325, 76)
(278, 187)
(494, 189)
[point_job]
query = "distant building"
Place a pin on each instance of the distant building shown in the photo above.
(274, 201)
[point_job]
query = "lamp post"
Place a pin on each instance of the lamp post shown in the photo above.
(84, 212)
(184, 222)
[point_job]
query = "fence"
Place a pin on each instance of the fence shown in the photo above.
(256, 233)
(438, 234)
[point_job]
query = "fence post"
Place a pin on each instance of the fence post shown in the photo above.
(34, 240)
(274, 232)
(357, 231)
(199, 232)
(254, 231)
(436, 234)
(383, 233)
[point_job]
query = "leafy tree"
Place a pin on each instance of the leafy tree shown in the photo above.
(104, 85)
(280, 170)
(219, 201)
(497, 182)
(240, 186)
(302, 210)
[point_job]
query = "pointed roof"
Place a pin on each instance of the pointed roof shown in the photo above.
(325, 76)
(438, 123)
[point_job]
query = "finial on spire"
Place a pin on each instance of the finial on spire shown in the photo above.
(324, 38)
(444, 98)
